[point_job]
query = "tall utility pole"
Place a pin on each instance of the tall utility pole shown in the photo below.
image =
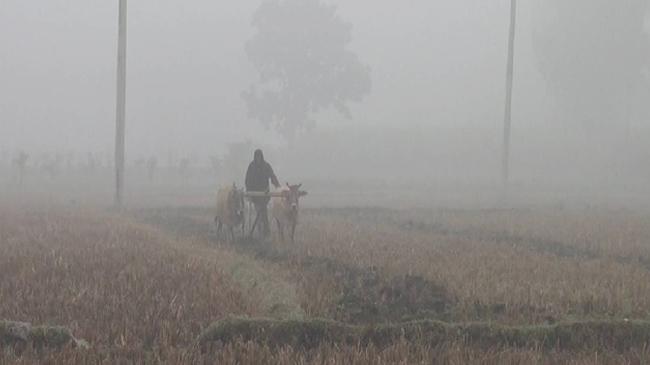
(120, 106)
(509, 81)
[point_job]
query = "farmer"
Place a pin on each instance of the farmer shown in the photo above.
(257, 180)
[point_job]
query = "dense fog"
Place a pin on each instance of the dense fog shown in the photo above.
(352, 95)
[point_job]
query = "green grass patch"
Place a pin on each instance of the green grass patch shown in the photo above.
(20, 333)
(580, 335)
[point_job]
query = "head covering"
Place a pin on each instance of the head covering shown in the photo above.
(258, 156)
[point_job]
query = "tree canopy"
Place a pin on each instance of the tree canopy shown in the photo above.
(300, 51)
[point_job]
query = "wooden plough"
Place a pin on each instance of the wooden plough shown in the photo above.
(258, 194)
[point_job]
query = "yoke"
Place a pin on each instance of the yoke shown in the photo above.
(261, 194)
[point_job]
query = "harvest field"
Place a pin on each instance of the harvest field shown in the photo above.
(360, 285)
(459, 182)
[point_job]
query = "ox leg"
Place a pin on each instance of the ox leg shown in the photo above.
(254, 225)
(250, 215)
(280, 230)
(293, 233)
(243, 223)
(217, 221)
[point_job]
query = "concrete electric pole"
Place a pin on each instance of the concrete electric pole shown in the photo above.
(120, 106)
(509, 81)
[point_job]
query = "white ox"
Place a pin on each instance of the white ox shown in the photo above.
(230, 210)
(285, 209)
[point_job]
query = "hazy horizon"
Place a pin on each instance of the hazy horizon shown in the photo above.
(187, 68)
(437, 71)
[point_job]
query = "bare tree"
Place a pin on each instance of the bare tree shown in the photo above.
(184, 168)
(51, 165)
(20, 164)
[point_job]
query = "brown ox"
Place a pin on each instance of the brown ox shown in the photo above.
(285, 209)
(230, 210)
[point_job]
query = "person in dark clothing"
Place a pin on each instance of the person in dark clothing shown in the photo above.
(259, 173)
(257, 180)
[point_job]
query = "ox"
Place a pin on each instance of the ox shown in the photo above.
(285, 209)
(230, 210)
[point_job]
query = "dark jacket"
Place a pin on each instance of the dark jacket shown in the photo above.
(258, 176)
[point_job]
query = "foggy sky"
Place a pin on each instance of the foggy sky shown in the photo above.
(433, 63)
